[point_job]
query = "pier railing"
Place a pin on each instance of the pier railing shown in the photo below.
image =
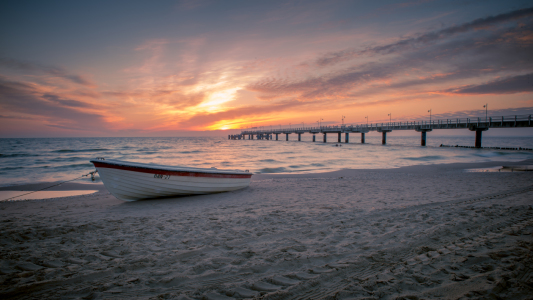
(457, 123)
(478, 124)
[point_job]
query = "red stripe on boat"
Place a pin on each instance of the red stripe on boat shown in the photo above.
(166, 172)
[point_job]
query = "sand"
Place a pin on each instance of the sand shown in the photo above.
(427, 232)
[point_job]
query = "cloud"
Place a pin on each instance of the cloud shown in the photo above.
(50, 70)
(496, 53)
(424, 39)
(495, 113)
(27, 99)
(511, 85)
(66, 102)
(15, 117)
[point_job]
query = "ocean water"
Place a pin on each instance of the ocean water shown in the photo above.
(57, 159)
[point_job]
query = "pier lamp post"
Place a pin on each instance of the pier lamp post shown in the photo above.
(486, 106)
(342, 121)
(321, 122)
(429, 111)
(366, 121)
(390, 119)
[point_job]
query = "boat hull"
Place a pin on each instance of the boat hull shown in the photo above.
(131, 183)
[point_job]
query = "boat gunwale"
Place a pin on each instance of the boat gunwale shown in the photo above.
(173, 171)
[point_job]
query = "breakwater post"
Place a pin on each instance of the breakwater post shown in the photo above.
(346, 137)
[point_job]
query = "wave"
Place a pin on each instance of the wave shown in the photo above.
(273, 170)
(425, 158)
(187, 152)
(73, 166)
(494, 154)
(17, 155)
(81, 150)
(11, 168)
(268, 160)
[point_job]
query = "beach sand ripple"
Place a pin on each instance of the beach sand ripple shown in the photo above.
(411, 233)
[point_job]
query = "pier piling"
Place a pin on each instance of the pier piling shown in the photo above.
(325, 138)
(478, 131)
(346, 137)
(362, 137)
(276, 136)
(423, 136)
(478, 138)
(339, 139)
(286, 136)
(299, 137)
(383, 137)
(314, 138)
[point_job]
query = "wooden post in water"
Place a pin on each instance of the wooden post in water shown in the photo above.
(339, 139)
(362, 137)
(299, 137)
(383, 137)
(325, 138)
(346, 137)
(277, 136)
(314, 138)
(286, 136)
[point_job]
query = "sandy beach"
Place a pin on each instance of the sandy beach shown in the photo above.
(422, 232)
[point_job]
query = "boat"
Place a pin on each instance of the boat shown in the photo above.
(132, 181)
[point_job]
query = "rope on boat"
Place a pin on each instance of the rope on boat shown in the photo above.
(90, 173)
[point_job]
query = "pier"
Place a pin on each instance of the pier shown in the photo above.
(477, 125)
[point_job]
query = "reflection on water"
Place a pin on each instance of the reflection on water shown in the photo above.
(57, 159)
(27, 195)
(524, 168)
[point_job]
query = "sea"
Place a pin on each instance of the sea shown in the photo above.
(36, 160)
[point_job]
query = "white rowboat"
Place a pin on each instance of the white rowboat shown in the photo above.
(131, 181)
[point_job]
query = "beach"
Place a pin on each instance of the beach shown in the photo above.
(415, 232)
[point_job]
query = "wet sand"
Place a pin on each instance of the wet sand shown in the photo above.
(425, 232)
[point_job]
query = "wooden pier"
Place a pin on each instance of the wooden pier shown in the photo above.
(473, 124)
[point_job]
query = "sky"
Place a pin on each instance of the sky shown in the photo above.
(185, 68)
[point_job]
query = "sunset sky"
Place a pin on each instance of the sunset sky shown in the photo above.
(163, 68)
